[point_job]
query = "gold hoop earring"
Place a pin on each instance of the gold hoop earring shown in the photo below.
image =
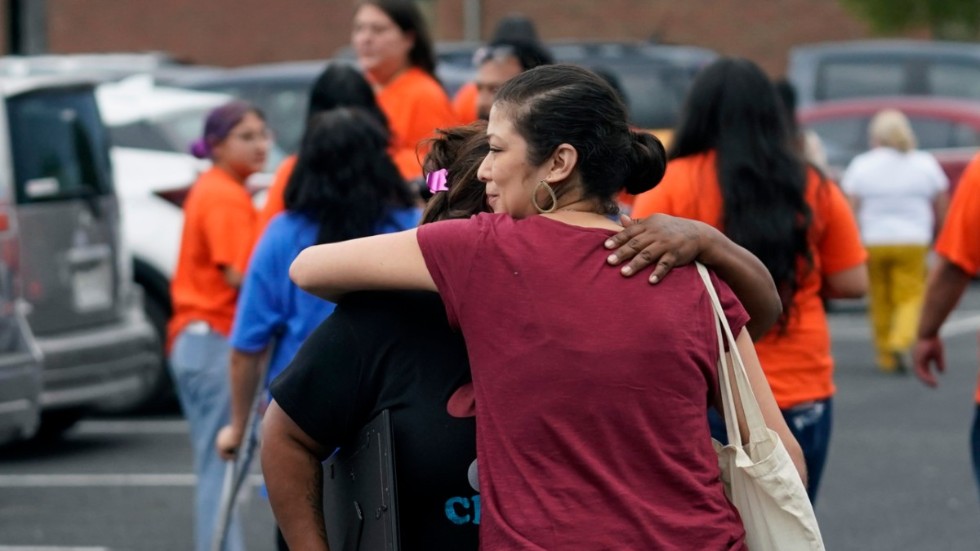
(551, 193)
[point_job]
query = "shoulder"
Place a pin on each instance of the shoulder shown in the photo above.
(217, 185)
(287, 223)
(419, 84)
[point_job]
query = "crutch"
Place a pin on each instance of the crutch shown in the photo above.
(237, 471)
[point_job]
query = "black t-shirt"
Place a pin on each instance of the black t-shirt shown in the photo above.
(395, 350)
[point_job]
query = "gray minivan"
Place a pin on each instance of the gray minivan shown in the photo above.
(85, 315)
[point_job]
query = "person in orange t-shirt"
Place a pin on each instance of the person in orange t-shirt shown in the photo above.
(394, 50)
(733, 167)
(337, 86)
(958, 260)
(496, 63)
(219, 225)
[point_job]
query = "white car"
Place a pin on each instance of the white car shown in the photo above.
(151, 128)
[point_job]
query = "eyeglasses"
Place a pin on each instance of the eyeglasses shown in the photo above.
(496, 53)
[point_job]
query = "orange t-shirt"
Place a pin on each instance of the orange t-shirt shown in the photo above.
(219, 229)
(416, 105)
(464, 103)
(959, 240)
(798, 363)
(274, 202)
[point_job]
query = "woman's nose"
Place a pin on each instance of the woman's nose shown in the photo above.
(483, 173)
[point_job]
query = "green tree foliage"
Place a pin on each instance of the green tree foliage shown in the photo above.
(951, 19)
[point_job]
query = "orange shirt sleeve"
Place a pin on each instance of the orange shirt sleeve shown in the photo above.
(959, 240)
(274, 202)
(840, 245)
(464, 103)
(229, 230)
(416, 106)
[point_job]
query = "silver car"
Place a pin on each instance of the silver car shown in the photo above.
(86, 317)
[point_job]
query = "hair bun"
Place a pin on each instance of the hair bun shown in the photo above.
(647, 162)
(199, 148)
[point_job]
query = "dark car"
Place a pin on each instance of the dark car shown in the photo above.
(947, 128)
(654, 78)
(846, 70)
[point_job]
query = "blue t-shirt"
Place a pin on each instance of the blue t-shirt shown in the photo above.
(270, 305)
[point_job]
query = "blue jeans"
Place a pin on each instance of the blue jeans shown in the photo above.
(975, 445)
(199, 364)
(810, 424)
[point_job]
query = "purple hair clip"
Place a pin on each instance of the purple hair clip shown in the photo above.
(437, 181)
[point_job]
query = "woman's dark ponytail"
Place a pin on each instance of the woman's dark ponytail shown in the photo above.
(647, 162)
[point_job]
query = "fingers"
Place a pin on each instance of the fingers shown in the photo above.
(664, 266)
(626, 243)
(925, 375)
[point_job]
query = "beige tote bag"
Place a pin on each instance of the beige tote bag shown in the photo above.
(759, 477)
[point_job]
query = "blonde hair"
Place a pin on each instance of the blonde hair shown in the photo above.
(891, 128)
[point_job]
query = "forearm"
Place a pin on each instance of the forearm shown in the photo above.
(244, 378)
(294, 478)
(944, 288)
(746, 275)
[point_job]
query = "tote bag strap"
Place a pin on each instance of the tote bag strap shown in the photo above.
(750, 407)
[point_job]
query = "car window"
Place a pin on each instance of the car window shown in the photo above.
(932, 133)
(965, 135)
(60, 148)
(840, 79)
(139, 134)
(954, 80)
(654, 98)
(843, 138)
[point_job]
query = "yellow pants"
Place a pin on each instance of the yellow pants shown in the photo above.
(897, 276)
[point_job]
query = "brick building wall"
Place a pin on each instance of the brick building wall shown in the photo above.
(237, 32)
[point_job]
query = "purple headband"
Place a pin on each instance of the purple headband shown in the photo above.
(437, 181)
(218, 125)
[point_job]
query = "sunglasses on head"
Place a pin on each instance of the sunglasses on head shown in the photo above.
(496, 53)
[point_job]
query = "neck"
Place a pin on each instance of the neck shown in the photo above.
(240, 178)
(383, 76)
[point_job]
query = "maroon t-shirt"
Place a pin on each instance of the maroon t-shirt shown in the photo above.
(591, 389)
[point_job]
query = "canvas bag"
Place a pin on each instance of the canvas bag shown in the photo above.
(759, 477)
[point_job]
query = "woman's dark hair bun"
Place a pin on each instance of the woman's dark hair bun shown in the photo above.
(647, 163)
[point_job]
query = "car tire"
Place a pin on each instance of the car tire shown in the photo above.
(161, 397)
(54, 424)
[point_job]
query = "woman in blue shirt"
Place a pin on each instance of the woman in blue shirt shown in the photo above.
(344, 186)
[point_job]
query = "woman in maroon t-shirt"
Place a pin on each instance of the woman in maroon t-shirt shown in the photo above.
(593, 427)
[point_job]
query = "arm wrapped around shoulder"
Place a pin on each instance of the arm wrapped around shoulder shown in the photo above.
(647, 163)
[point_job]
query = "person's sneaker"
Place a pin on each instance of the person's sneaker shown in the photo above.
(903, 362)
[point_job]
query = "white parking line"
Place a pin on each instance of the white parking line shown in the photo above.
(98, 426)
(104, 480)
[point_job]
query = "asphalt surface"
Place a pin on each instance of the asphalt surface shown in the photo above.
(898, 477)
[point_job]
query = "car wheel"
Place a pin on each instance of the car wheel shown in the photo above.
(55, 423)
(161, 396)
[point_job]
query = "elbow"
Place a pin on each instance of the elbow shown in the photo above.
(301, 271)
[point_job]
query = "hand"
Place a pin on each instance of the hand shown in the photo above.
(663, 240)
(928, 351)
(227, 442)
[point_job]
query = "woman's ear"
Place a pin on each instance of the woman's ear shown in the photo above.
(563, 162)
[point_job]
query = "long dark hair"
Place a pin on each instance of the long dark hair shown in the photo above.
(555, 104)
(733, 109)
(459, 151)
(344, 177)
(341, 85)
(409, 19)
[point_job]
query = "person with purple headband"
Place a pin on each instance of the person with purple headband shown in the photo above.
(219, 226)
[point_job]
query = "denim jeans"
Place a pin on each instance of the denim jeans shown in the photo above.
(975, 446)
(810, 424)
(199, 364)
